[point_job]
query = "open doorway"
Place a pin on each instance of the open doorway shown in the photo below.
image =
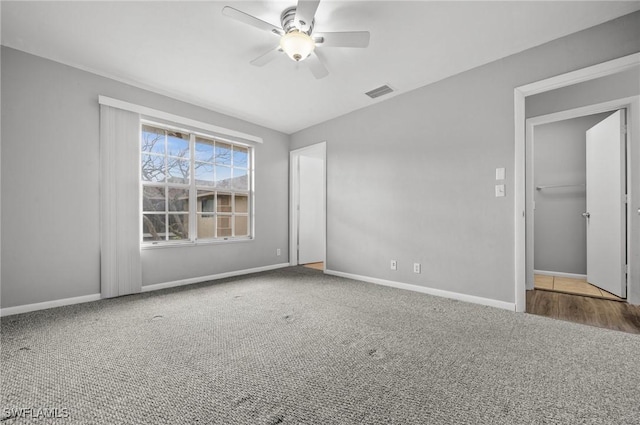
(307, 245)
(572, 83)
(577, 203)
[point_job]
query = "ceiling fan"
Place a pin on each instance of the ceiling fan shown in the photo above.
(297, 38)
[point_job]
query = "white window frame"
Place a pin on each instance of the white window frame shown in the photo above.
(193, 190)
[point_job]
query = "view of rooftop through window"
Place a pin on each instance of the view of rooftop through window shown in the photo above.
(193, 187)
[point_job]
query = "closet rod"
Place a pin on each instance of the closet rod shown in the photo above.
(553, 186)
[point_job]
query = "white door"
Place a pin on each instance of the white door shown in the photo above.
(605, 215)
(311, 212)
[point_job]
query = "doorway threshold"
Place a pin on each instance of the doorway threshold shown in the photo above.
(315, 266)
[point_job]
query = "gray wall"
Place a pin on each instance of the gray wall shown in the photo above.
(412, 178)
(559, 156)
(50, 184)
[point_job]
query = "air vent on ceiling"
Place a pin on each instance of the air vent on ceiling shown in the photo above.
(380, 91)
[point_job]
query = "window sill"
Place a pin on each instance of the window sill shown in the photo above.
(204, 242)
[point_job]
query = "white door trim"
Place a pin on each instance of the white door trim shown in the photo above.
(294, 198)
(520, 93)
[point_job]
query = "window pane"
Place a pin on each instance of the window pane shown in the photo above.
(240, 156)
(178, 226)
(153, 227)
(242, 203)
(223, 177)
(223, 153)
(240, 179)
(153, 199)
(242, 225)
(205, 201)
(224, 202)
(178, 171)
(204, 150)
(178, 144)
(178, 199)
(152, 139)
(153, 168)
(224, 226)
(206, 226)
(204, 173)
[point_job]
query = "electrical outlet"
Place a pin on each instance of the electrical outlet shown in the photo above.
(278, 252)
(394, 265)
(416, 267)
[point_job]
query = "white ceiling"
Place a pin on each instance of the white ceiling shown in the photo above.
(190, 51)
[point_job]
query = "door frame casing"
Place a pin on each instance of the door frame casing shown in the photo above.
(575, 77)
(294, 199)
(531, 123)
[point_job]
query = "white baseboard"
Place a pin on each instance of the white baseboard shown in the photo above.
(560, 274)
(8, 311)
(431, 291)
(172, 284)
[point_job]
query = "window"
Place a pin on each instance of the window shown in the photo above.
(194, 187)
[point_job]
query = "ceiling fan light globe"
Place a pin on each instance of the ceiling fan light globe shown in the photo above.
(297, 45)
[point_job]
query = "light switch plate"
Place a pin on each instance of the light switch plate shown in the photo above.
(499, 190)
(499, 173)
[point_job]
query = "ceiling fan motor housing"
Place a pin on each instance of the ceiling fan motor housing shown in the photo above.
(288, 21)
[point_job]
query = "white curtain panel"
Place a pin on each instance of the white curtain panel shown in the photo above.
(120, 270)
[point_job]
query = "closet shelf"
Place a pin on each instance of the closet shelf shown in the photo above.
(553, 186)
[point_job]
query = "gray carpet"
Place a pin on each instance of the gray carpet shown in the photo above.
(294, 346)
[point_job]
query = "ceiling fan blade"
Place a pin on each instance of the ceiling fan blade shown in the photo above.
(305, 11)
(316, 66)
(251, 20)
(267, 57)
(342, 39)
